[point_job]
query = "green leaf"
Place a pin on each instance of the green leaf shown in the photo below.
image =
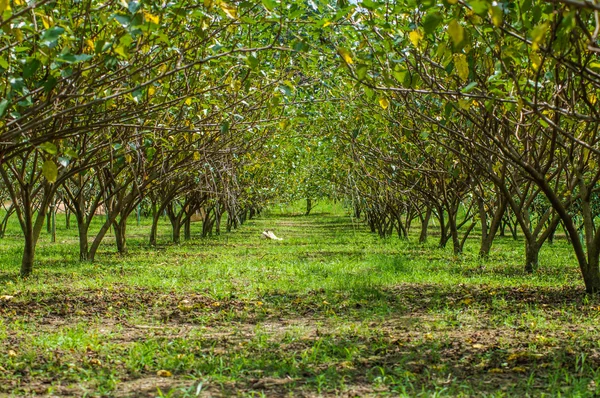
(3, 105)
(594, 65)
(70, 152)
(269, 4)
(49, 147)
(31, 67)
(224, 126)
(3, 63)
(469, 87)
(50, 171)
(479, 6)
(461, 65)
(50, 36)
(73, 59)
(431, 21)
(369, 5)
(456, 32)
(361, 71)
(538, 34)
(252, 61)
(496, 14)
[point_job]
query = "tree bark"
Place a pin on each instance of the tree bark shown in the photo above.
(187, 228)
(154, 227)
(532, 252)
(309, 206)
(120, 228)
(425, 225)
(82, 228)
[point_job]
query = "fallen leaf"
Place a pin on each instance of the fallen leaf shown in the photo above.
(164, 373)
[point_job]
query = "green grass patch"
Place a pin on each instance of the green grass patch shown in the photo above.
(330, 310)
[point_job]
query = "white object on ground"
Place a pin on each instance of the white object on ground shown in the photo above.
(270, 235)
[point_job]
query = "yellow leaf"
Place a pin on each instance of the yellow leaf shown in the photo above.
(461, 65)
(536, 61)
(229, 10)
(538, 34)
(496, 14)
(456, 32)
(384, 103)
(196, 156)
(188, 101)
(89, 44)
(18, 34)
(151, 18)
(326, 24)
(415, 37)
(592, 98)
(47, 21)
(121, 51)
(19, 2)
(151, 91)
(164, 373)
(346, 56)
(4, 5)
(452, 1)
(464, 104)
(50, 171)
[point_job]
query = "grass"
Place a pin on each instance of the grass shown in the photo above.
(330, 310)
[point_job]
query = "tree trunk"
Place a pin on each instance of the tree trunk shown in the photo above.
(4, 222)
(425, 226)
(488, 239)
(443, 230)
(218, 216)
(309, 206)
(187, 228)
(176, 224)
(31, 229)
(82, 227)
(48, 223)
(454, 233)
(591, 273)
(552, 234)
(67, 218)
(120, 228)
(29, 249)
(357, 212)
(98, 239)
(154, 227)
(532, 251)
